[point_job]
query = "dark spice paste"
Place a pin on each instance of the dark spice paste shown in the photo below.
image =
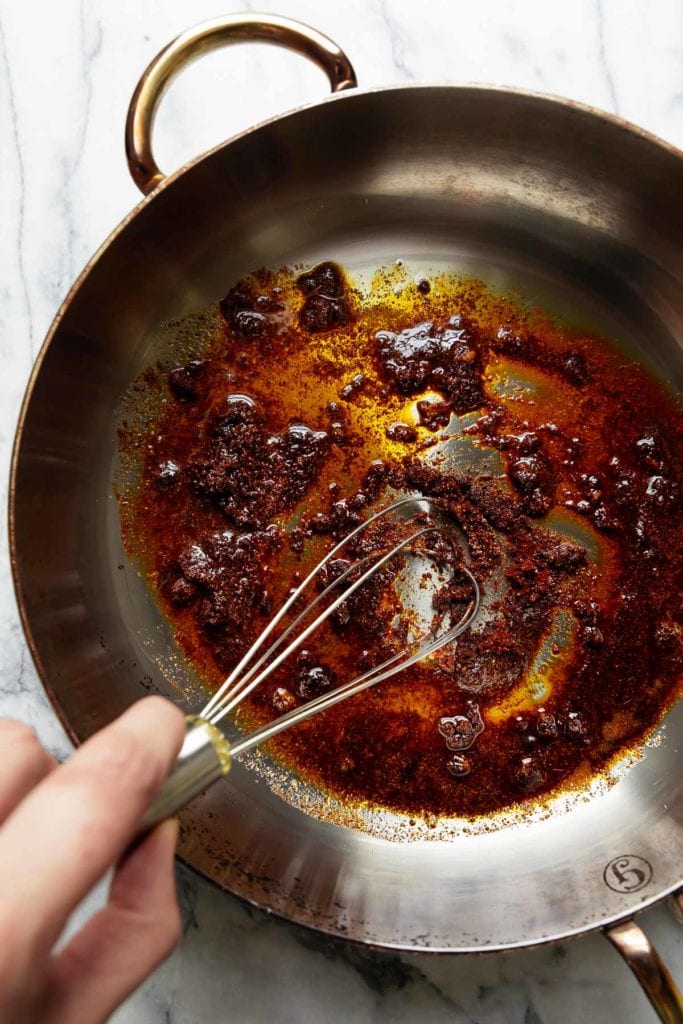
(561, 460)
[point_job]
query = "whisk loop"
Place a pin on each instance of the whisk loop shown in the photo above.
(205, 755)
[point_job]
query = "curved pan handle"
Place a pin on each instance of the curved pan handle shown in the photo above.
(210, 35)
(652, 973)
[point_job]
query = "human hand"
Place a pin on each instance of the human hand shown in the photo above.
(61, 828)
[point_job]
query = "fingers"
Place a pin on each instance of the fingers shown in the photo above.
(78, 821)
(119, 947)
(24, 763)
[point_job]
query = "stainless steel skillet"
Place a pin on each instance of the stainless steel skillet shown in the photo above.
(581, 209)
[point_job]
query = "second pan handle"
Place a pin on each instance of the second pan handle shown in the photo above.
(210, 35)
(649, 968)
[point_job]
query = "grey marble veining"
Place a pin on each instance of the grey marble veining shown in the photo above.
(66, 74)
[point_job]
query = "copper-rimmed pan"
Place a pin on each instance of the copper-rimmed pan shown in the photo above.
(581, 203)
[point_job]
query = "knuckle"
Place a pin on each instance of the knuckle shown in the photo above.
(19, 741)
(90, 839)
(172, 928)
(164, 714)
(165, 930)
(14, 731)
(124, 760)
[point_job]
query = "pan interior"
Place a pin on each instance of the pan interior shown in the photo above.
(176, 341)
(529, 197)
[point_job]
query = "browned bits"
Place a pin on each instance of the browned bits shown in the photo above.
(591, 636)
(528, 776)
(546, 725)
(576, 727)
(566, 557)
(181, 592)
(667, 635)
(283, 700)
(459, 765)
(496, 503)
(532, 477)
(663, 492)
(249, 474)
(320, 313)
(433, 413)
(375, 478)
(326, 304)
(168, 475)
(275, 445)
(249, 314)
(337, 429)
(402, 432)
(185, 381)
(575, 369)
(525, 474)
(649, 452)
(238, 300)
(445, 357)
(461, 731)
(526, 443)
(587, 611)
(249, 324)
(458, 732)
(313, 680)
(325, 278)
(354, 386)
(296, 540)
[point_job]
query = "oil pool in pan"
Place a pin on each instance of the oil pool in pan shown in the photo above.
(311, 403)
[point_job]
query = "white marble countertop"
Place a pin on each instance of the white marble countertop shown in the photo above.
(67, 70)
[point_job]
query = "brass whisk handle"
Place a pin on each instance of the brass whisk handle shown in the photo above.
(203, 759)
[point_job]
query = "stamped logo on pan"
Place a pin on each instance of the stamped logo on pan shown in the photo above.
(628, 873)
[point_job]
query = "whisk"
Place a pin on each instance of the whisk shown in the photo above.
(206, 754)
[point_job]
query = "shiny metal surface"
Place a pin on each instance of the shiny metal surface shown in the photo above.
(235, 28)
(204, 758)
(638, 952)
(577, 209)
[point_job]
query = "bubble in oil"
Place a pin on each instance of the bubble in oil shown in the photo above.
(546, 725)
(460, 731)
(459, 765)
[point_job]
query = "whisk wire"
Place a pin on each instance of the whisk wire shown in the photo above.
(379, 673)
(238, 672)
(206, 755)
(249, 682)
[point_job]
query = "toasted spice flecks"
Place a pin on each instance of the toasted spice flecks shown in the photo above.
(309, 407)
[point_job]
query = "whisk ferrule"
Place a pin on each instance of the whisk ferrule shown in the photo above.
(203, 759)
